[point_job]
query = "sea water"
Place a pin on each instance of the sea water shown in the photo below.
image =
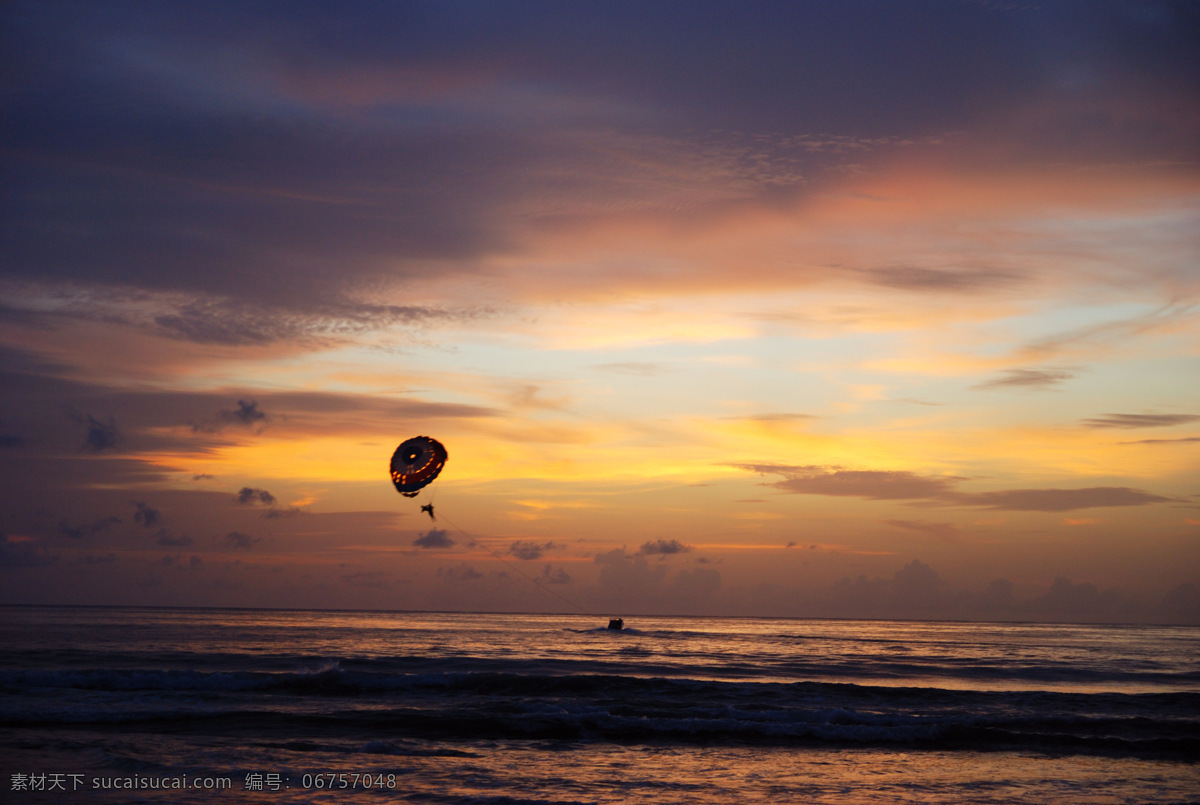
(203, 706)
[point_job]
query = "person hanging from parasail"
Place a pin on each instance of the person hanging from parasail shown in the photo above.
(415, 465)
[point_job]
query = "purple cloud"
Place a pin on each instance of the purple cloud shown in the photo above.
(904, 485)
(1140, 420)
(1037, 379)
(664, 547)
(253, 496)
(434, 538)
(524, 549)
(1061, 500)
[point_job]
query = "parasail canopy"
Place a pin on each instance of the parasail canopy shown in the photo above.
(416, 462)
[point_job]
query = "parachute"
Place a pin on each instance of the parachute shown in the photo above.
(416, 462)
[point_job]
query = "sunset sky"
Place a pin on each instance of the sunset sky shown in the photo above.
(855, 309)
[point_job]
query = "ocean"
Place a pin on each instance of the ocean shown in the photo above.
(209, 705)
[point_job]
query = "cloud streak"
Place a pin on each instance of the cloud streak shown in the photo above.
(1034, 379)
(870, 484)
(1129, 421)
(908, 486)
(1183, 440)
(951, 280)
(1061, 500)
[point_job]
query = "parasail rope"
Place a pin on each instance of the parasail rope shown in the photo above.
(532, 579)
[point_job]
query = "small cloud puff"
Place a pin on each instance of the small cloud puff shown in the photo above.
(236, 539)
(252, 496)
(434, 538)
(246, 414)
(87, 529)
(100, 435)
(524, 549)
(664, 547)
(164, 537)
(555, 575)
(146, 516)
